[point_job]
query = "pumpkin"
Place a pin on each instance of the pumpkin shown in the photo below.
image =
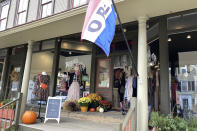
(92, 109)
(29, 117)
(101, 110)
(97, 109)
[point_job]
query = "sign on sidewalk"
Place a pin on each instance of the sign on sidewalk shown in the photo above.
(53, 109)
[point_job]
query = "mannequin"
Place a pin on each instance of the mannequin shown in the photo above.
(39, 92)
(74, 90)
(41, 85)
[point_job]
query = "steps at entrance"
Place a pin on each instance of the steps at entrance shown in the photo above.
(80, 121)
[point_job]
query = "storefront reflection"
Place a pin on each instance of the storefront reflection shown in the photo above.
(186, 89)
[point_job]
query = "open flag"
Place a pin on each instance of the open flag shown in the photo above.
(99, 25)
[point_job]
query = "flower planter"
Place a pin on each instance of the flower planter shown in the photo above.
(84, 108)
(7, 114)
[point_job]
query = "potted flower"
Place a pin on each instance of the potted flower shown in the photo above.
(84, 102)
(71, 105)
(95, 98)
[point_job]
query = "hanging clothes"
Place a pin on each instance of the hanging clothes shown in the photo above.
(129, 88)
(150, 92)
(135, 87)
(40, 93)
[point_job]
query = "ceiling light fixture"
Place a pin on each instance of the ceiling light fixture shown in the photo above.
(169, 39)
(125, 30)
(189, 37)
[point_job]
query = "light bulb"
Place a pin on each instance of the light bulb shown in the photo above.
(189, 37)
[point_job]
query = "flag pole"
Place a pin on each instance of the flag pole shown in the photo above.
(125, 38)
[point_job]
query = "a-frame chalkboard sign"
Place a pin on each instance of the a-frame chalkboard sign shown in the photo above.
(53, 109)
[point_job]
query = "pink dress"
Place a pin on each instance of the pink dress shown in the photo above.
(74, 91)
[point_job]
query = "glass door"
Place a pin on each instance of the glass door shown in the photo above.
(103, 83)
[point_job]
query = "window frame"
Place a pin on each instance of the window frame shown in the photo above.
(45, 4)
(73, 4)
(18, 13)
(2, 4)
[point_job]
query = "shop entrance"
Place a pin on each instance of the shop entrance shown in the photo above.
(15, 72)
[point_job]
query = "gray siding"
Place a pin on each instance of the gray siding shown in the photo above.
(33, 10)
(11, 14)
(61, 5)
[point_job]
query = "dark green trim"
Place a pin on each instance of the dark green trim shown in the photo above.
(56, 57)
(164, 67)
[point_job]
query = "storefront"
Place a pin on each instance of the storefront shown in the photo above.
(59, 58)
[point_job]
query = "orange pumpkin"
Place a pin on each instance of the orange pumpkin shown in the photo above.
(29, 117)
(92, 109)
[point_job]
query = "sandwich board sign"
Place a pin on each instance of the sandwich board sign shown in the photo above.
(53, 109)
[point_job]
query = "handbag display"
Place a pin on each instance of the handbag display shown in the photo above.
(42, 85)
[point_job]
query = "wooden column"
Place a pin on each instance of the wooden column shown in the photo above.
(56, 57)
(26, 76)
(164, 65)
(93, 70)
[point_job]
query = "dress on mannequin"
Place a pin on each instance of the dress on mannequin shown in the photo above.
(74, 90)
(39, 93)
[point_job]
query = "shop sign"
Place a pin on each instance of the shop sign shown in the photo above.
(53, 109)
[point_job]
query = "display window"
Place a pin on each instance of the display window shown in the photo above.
(40, 74)
(183, 74)
(73, 80)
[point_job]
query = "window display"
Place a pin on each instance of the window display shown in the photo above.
(39, 83)
(73, 76)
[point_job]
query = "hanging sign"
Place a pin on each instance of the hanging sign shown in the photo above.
(53, 109)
